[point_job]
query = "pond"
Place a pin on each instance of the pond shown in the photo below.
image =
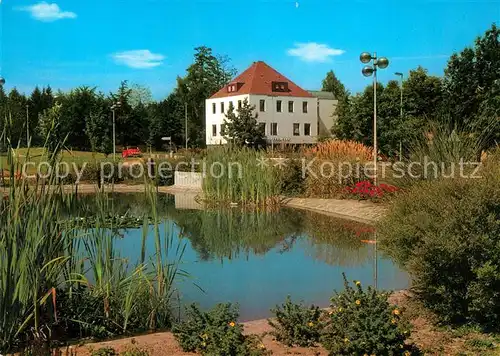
(257, 258)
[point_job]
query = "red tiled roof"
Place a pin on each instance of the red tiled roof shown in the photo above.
(257, 79)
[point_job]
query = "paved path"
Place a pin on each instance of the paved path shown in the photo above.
(363, 211)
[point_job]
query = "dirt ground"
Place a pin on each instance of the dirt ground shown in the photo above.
(431, 339)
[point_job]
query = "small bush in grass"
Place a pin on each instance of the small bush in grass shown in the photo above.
(104, 351)
(447, 235)
(134, 351)
(296, 324)
(215, 332)
(363, 322)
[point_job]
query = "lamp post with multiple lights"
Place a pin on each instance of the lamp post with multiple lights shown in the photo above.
(367, 71)
(113, 109)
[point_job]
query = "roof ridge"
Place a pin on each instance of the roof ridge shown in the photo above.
(257, 79)
(252, 78)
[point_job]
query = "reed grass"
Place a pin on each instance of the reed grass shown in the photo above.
(340, 150)
(240, 175)
(334, 167)
(60, 279)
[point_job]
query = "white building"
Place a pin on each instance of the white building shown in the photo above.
(289, 113)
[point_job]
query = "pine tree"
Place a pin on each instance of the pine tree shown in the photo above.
(241, 128)
(332, 84)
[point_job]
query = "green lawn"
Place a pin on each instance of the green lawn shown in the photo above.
(37, 155)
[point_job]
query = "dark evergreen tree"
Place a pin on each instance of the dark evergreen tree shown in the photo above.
(204, 77)
(241, 128)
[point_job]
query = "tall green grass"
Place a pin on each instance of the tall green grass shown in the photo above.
(60, 279)
(242, 176)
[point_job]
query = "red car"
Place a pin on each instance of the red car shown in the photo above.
(131, 152)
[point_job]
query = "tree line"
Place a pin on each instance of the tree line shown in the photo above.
(83, 119)
(466, 98)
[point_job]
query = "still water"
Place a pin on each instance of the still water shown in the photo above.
(256, 259)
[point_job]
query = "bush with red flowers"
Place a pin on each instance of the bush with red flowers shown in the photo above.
(367, 190)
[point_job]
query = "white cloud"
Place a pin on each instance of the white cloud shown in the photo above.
(314, 52)
(142, 58)
(44, 11)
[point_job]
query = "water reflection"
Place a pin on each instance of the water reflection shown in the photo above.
(257, 258)
(219, 234)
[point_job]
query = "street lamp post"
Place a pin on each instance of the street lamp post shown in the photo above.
(186, 123)
(113, 109)
(367, 71)
(27, 125)
(2, 82)
(399, 74)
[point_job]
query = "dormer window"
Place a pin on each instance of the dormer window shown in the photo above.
(234, 87)
(280, 86)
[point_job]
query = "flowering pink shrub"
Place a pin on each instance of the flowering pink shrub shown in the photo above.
(366, 190)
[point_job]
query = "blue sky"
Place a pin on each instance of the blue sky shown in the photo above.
(67, 43)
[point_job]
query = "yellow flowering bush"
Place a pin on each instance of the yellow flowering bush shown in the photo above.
(363, 322)
(296, 324)
(215, 332)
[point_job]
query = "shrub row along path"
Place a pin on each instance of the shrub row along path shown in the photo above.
(164, 344)
(433, 340)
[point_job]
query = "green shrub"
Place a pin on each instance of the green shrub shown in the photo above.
(134, 351)
(291, 178)
(447, 235)
(296, 324)
(104, 351)
(363, 322)
(215, 332)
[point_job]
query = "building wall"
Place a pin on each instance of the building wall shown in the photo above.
(217, 119)
(284, 119)
(326, 115)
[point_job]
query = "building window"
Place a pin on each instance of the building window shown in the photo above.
(279, 86)
(262, 127)
(262, 105)
(222, 107)
(307, 129)
(278, 105)
(274, 129)
(239, 104)
(304, 107)
(214, 130)
(213, 108)
(290, 106)
(296, 129)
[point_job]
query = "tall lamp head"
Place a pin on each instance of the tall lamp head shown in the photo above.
(382, 63)
(367, 71)
(365, 57)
